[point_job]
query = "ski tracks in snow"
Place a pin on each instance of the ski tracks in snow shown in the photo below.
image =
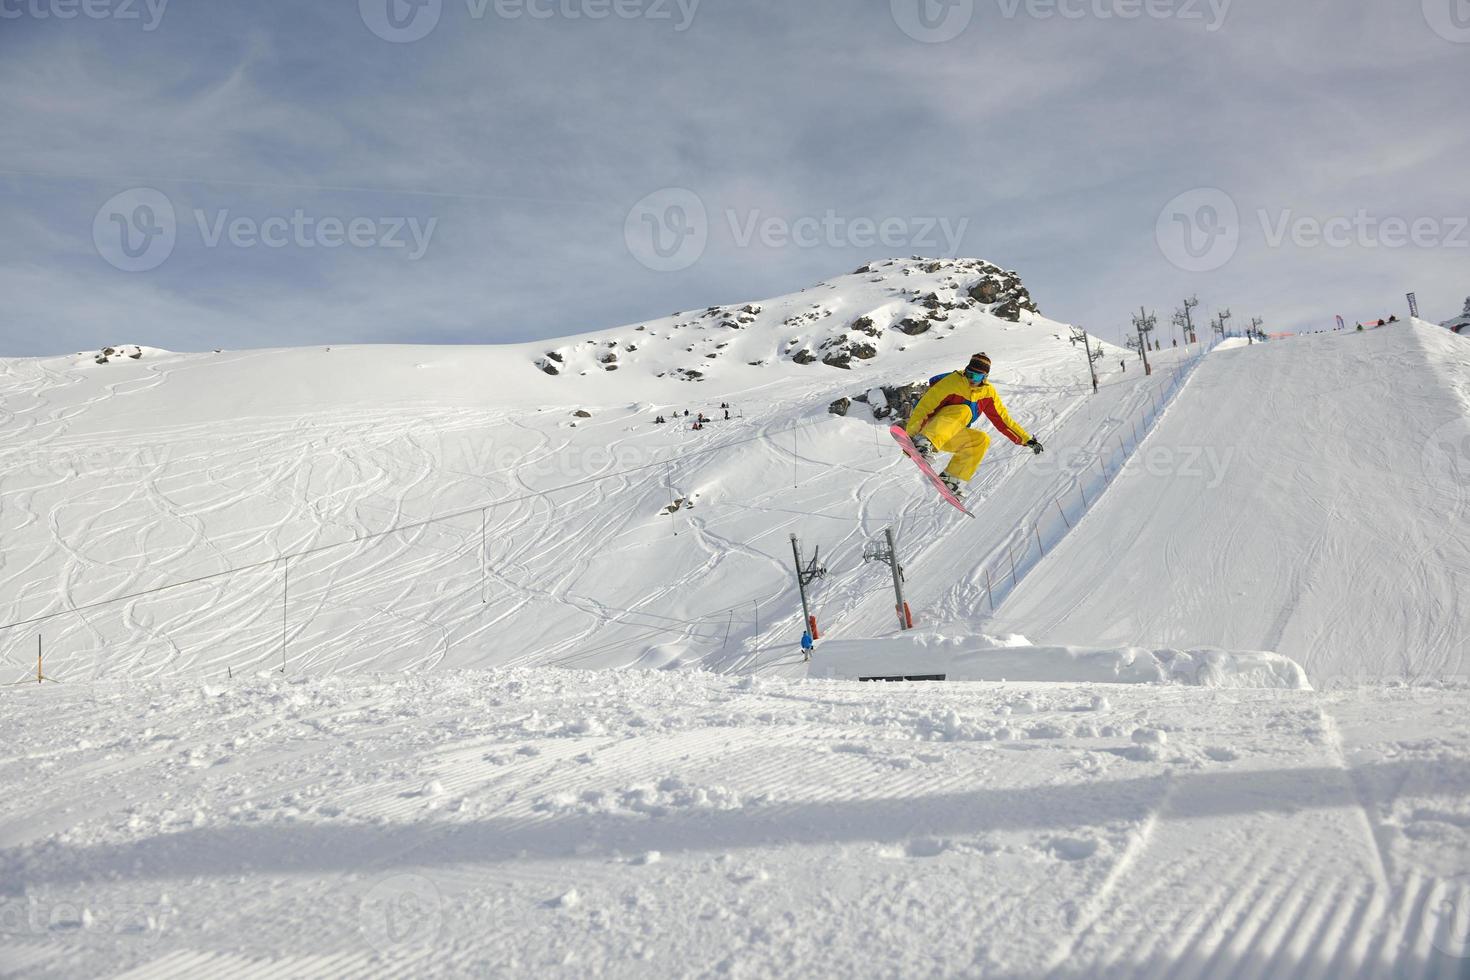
(567, 822)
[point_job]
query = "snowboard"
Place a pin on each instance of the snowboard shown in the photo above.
(901, 436)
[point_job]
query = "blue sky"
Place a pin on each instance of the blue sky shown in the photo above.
(308, 172)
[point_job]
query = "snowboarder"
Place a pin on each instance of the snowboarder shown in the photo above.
(942, 419)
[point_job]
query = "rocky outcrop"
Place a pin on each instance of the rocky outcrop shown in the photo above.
(1461, 323)
(108, 354)
(915, 297)
(1002, 292)
(841, 351)
(891, 402)
(902, 399)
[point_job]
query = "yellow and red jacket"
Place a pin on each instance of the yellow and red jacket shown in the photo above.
(950, 390)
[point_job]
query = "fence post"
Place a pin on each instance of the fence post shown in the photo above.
(39, 675)
(1039, 546)
(1063, 513)
(989, 591)
(285, 598)
(1080, 490)
(1011, 554)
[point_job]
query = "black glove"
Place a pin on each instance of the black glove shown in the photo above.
(1035, 447)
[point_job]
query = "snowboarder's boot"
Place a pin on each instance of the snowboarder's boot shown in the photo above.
(955, 486)
(924, 446)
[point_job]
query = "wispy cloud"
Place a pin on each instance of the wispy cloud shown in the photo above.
(525, 141)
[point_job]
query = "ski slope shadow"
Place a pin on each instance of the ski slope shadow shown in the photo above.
(303, 848)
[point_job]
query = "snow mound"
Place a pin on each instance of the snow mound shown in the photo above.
(1281, 505)
(985, 658)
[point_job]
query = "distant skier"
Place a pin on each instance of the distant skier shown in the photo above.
(942, 419)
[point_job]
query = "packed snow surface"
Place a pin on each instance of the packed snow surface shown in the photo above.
(459, 507)
(537, 822)
(1309, 497)
(322, 626)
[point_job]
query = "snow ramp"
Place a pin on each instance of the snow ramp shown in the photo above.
(1305, 496)
(939, 657)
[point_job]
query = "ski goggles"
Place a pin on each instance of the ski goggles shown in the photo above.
(977, 376)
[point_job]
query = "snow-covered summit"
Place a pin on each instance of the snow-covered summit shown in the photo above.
(850, 323)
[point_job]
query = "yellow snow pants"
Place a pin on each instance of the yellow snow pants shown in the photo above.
(950, 432)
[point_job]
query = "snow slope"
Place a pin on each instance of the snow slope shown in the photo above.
(135, 475)
(1149, 788)
(631, 824)
(1307, 497)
